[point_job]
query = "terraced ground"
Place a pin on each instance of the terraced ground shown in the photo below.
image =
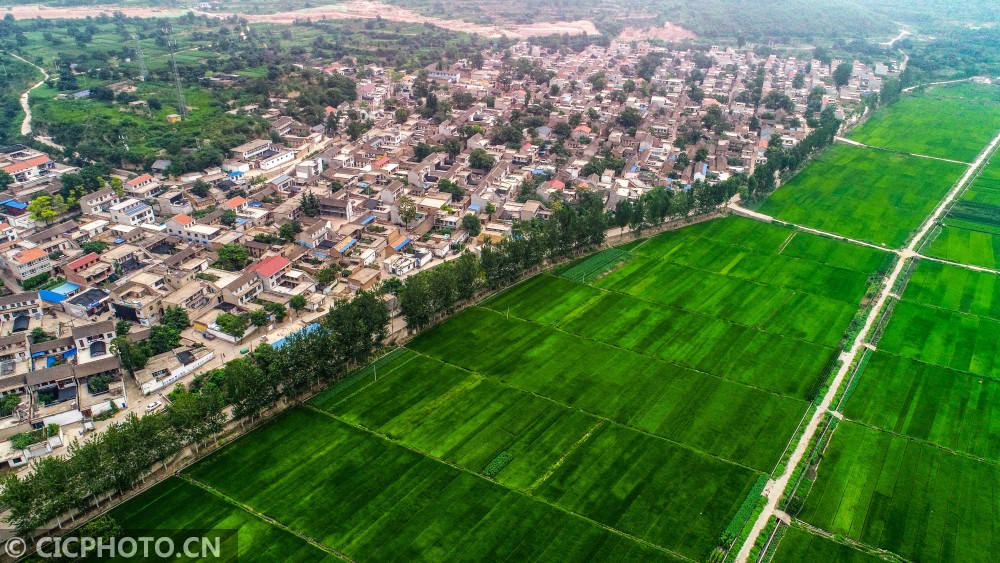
(626, 418)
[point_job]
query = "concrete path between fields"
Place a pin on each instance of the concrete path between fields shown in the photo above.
(909, 252)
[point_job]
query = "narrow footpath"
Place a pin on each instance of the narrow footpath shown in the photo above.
(847, 141)
(26, 123)
(777, 487)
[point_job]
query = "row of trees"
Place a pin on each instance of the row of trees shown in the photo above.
(117, 459)
(783, 162)
(110, 462)
(432, 294)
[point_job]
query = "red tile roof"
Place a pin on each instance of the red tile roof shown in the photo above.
(183, 219)
(138, 180)
(30, 163)
(30, 255)
(236, 202)
(271, 265)
(82, 261)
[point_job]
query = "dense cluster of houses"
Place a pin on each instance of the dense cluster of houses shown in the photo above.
(306, 202)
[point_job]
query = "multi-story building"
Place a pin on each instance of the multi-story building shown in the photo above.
(27, 263)
(132, 212)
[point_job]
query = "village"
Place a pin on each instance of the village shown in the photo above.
(260, 247)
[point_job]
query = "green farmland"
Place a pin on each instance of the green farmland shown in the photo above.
(953, 122)
(906, 496)
(912, 467)
(867, 194)
(969, 232)
(798, 546)
(627, 418)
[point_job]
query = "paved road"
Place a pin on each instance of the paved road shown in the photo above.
(776, 488)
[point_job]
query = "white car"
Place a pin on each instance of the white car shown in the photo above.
(151, 407)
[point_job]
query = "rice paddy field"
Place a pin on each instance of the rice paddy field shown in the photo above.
(969, 232)
(621, 408)
(913, 466)
(863, 193)
(926, 123)
(798, 545)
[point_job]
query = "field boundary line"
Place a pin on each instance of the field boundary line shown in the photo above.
(668, 362)
(972, 267)
(847, 541)
(805, 417)
(787, 241)
(265, 518)
(887, 286)
(879, 429)
(555, 466)
(706, 315)
(596, 415)
(527, 494)
(854, 143)
(736, 208)
(373, 381)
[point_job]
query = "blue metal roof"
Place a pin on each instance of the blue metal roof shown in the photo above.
(13, 203)
(66, 288)
(349, 244)
(279, 343)
(235, 173)
(51, 296)
(368, 219)
(405, 242)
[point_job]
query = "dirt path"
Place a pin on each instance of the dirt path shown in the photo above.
(775, 488)
(847, 141)
(735, 207)
(26, 123)
(352, 9)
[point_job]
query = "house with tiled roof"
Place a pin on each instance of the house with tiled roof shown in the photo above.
(142, 187)
(26, 263)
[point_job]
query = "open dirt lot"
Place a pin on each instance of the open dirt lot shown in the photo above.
(355, 9)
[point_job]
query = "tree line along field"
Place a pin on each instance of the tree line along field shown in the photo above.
(627, 418)
(950, 121)
(913, 467)
(867, 194)
(969, 232)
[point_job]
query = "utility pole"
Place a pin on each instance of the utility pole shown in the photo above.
(143, 71)
(181, 105)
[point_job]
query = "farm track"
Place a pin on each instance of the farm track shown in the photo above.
(851, 142)
(777, 487)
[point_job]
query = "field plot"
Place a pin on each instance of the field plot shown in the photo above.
(954, 122)
(955, 288)
(909, 497)
(970, 233)
(944, 338)
(948, 408)
(627, 418)
(176, 504)
(374, 500)
(863, 193)
(742, 424)
(799, 545)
